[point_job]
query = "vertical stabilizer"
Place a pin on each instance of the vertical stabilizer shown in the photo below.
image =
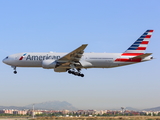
(140, 45)
(136, 49)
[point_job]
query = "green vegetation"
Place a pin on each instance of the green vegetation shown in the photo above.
(18, 117)
(102, 118)
(4, 114)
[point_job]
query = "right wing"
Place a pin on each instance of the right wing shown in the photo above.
(73, 56)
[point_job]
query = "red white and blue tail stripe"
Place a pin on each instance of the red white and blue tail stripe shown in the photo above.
(140, 45)
(136, 49)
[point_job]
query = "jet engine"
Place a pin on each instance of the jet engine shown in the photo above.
(49, 64)
(86, 64)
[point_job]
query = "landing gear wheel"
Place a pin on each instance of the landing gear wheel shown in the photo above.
(14, 68)
(76, 73)
(82, 75)
(69, 71)
(15, 72)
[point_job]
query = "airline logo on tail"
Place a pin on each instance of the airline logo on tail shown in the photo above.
(136, 49)
(141, 44)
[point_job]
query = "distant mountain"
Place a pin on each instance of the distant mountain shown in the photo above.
(12, 107)
(53, 105)
(133, 109)
(127, 108)
(153, 109)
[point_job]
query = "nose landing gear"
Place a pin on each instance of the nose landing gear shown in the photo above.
(15, 72)
(14, 68)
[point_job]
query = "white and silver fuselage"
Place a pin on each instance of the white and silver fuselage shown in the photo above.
(96, 60)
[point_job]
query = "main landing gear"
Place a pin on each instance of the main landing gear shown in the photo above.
(75, 71)
(14, 68)
(78, 73)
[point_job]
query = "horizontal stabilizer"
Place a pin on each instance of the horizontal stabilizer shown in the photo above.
(141, 56)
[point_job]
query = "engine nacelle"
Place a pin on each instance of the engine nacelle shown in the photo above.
(60, 70)
(49, 64)
(86, 64)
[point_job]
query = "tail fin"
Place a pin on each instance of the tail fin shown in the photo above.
(140, 45)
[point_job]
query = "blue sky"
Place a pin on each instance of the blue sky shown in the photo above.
(62, 26)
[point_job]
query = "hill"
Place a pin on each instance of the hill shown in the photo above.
(152, 109)
(51, 105)
(12, 107)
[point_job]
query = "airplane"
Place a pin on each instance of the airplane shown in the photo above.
(76, 60)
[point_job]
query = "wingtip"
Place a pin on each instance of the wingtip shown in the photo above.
(85, 44)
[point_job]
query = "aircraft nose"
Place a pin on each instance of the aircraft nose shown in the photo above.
(4, 60)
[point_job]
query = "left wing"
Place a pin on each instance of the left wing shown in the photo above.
(73, 56)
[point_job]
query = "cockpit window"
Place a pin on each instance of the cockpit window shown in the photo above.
(7, 57)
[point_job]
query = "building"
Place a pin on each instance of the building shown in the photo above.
(20, 112)
(35, 112)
